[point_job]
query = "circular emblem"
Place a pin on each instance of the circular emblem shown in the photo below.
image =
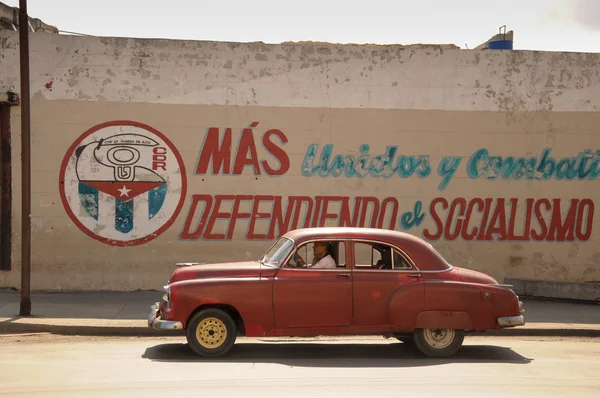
(122, 183)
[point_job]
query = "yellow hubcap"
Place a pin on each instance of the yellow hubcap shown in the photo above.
(211, 333)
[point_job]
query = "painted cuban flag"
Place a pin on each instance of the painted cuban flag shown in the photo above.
(116, 180)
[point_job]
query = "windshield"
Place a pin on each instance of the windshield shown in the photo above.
(278, 252)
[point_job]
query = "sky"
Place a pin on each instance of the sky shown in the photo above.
(545, 25)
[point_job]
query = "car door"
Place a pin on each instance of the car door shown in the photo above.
(309, 297)
(378, 271)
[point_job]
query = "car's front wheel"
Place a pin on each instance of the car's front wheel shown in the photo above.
(211, 332)
(439, 343)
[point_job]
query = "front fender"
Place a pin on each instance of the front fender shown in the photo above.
(251, 297)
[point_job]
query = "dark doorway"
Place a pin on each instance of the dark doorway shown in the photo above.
(5, 189)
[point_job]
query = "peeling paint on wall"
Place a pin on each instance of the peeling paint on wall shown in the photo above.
(305, 74)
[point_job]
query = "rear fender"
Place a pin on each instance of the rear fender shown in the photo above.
(444, 320)
(404, 305)
(452, 301)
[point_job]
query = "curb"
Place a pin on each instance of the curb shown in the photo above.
(539, 333)
(85, 330)
(15, 328)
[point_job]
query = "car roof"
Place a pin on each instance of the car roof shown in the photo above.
(421, 252)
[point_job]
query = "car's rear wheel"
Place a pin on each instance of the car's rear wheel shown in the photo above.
(211, 332)
(439, 343)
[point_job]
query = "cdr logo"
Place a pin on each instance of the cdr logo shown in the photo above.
(122, 183)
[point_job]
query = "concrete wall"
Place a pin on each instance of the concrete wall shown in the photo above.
(404, 137)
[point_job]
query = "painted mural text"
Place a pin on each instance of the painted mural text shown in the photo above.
(215, 217)
(479, 219)
(481, 164)
(216, 152)
(218, 158)
(542, 219)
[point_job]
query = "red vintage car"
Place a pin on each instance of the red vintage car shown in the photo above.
(336, 281)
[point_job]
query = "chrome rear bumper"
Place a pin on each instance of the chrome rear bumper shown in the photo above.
(509, 321)
(156, 323)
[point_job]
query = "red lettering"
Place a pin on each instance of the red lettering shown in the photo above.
(459, 222)
(241, 160)
(298, 200)
(315, 218)
(235, 214)
(186, 234)
(529, 204)
(159, 165)
(468, 213)
(486, 216)
(576, 224)
(278, 219)
(538, 215)
(511, 220)
(345, 212)
(499, 216)
(277, 152)
(256, 215)
(436, 219)
(159, 158)
(365, 204)
(586, 205)
(324, 214)
(220, 154)
(208, 235)
(394, 216)
(559, 230)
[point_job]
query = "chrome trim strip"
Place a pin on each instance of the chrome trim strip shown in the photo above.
(402, 271)
(510, 321)
(336, 269)
(179, 265)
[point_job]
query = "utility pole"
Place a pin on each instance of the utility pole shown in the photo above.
(25, 162)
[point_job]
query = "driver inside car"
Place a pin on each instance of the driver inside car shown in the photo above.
(322, 257)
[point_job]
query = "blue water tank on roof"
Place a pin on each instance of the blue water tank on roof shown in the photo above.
(501, 45)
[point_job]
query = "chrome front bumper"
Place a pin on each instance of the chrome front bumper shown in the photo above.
(155, 323)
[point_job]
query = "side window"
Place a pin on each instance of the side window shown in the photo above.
(400, 262)
(319, 255)
(365, 256)
(378, 256)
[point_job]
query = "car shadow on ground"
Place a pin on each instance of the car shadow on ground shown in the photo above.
(335, 355)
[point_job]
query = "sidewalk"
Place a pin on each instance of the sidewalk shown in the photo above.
(125, 313)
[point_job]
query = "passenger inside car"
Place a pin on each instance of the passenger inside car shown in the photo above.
(323, 256)
(386, 257)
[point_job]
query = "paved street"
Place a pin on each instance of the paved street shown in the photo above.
(71, 366)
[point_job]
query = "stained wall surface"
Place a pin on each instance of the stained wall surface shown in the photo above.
(150, 152)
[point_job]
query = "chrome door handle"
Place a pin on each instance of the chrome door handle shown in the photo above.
(344, 275)
(414, 275)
